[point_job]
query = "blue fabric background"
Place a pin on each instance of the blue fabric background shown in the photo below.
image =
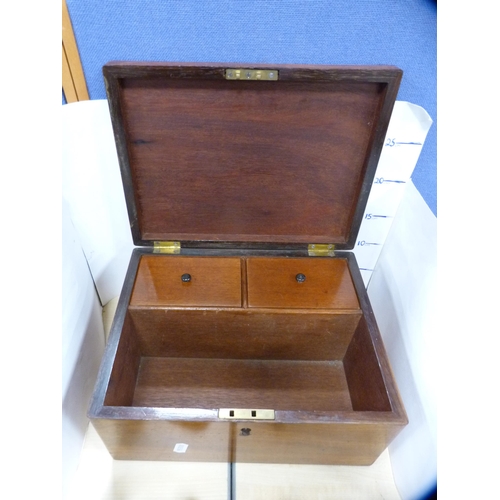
(402, 33)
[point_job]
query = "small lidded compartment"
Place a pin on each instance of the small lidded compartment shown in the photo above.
(300, 283)
(187, 281)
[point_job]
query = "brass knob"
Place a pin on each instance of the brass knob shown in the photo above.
(186, 278)
(300, 277)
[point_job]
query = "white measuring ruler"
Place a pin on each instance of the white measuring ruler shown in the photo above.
(405, 138)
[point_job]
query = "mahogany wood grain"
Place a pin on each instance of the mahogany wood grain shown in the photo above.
(272, 283)
(120, 390)
(370, 378)
(332, 444)
(226, 383)
(336, 443)
(215, 281)
(156, 439)
(244, 333)
(262, 169)
(207, 159)
(365, 380)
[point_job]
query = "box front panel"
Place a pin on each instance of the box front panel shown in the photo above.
(246, 441)
(327, 443)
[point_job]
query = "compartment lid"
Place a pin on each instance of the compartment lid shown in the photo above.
(248, 155)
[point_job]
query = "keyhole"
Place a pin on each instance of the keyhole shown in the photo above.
(245, 431)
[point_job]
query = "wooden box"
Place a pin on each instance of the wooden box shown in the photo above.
(244, 332)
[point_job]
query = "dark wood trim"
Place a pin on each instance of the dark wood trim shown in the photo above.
(281, 416)
(242, 248)
(376, 339)
(101, 386)
(377, 143)
(215, 71)
(113, 91)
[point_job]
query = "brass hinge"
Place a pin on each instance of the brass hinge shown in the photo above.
(320, 250)
(246, 414)
(251, 74)
(167, 247)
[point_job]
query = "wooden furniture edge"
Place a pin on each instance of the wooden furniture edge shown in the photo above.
(73, 78)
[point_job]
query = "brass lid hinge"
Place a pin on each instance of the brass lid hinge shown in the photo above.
(167, 247)
(321, 250)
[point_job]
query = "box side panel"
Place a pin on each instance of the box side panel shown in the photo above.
(369, 374)
(120, 322)
(120, 391)
(364, 378)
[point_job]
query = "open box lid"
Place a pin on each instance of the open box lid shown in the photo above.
(248, 155)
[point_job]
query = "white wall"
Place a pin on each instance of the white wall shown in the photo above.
(92, 186)
(82, 346)
(96, 250)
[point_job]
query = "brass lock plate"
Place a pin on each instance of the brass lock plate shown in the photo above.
(251, 74)
(246, 414)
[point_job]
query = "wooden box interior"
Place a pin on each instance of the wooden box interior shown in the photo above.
(287, 359)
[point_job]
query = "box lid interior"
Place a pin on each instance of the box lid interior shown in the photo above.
(209, 159)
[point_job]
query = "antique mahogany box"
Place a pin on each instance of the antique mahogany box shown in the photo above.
(244, 332)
